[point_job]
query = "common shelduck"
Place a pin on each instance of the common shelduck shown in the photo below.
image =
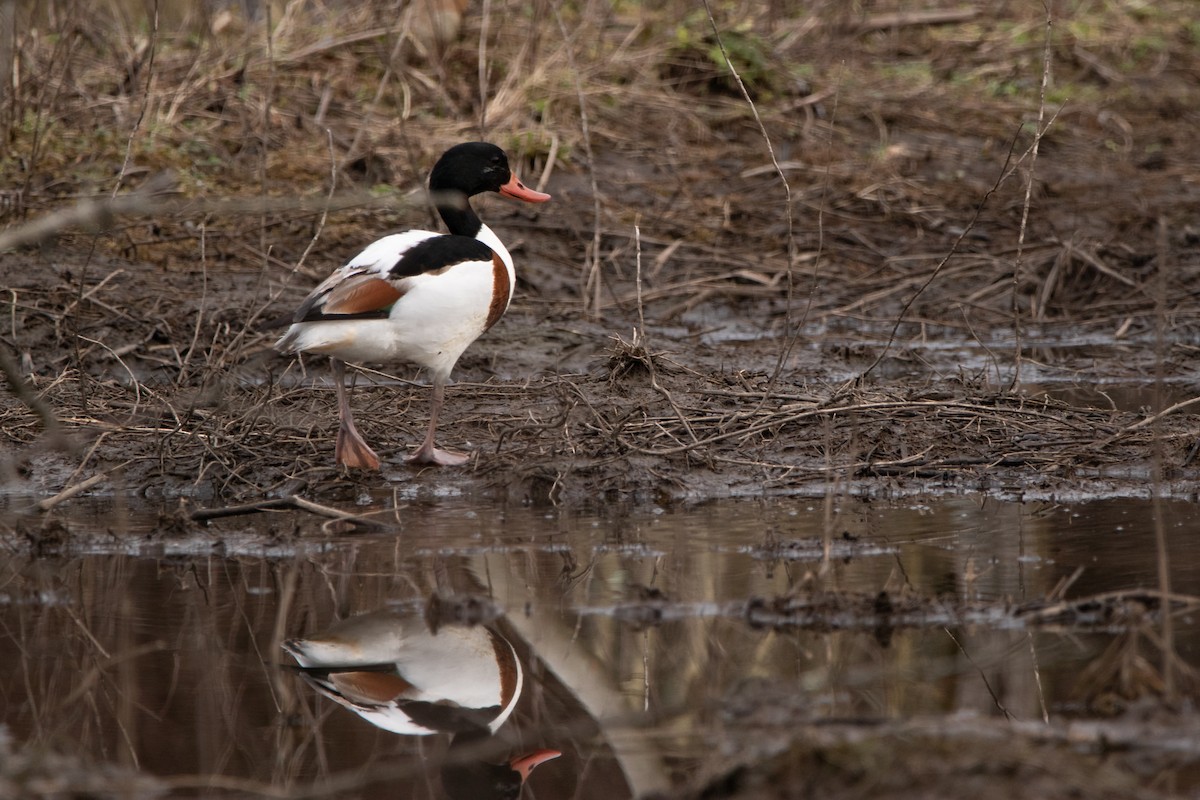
(417, 296)
(394, 672)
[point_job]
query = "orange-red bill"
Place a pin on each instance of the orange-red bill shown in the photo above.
(514, 188)
(525, 764)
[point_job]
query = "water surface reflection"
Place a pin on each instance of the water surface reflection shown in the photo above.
(637, 655)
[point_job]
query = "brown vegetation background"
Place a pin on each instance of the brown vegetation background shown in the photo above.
(831, 187)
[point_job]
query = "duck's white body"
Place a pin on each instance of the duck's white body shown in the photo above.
(435, 319)
(391, 670)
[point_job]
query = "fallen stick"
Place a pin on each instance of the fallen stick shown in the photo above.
(21, 389)
(205, 514)
(902, 19)
(150, 200)
(293, 501)
(92, 214)
(66, 494)
(325, 511)
(1150, 420)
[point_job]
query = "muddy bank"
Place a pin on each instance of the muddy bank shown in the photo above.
(553, 408)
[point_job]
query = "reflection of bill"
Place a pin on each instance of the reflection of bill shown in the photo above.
(469, 774)
(395, 672)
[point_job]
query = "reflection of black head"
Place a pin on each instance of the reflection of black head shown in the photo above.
(480, 780)
(469, 774)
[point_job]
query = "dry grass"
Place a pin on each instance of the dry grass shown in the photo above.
(295, 137)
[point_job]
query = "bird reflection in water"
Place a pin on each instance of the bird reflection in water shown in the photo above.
(402, 674)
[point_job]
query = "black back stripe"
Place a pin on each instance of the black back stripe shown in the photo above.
(438, 253)
(317, 315)
(447, 718)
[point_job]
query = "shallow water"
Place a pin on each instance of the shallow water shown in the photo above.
(1092, 370)
(649, 636)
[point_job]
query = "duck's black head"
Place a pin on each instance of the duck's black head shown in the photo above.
(476, 167)
(471, 168)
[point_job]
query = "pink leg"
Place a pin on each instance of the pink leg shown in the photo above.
(350, 450)
(427, 453)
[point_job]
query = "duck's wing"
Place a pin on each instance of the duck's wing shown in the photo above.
(381, 695)
(371, 283)
(362, 685)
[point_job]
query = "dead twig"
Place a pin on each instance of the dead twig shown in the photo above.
(592, 283)
(26, 394)
(92, 214)
(904, 19)
(71, 491)
(101, 214)
(281, 503)
(1038, 133)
